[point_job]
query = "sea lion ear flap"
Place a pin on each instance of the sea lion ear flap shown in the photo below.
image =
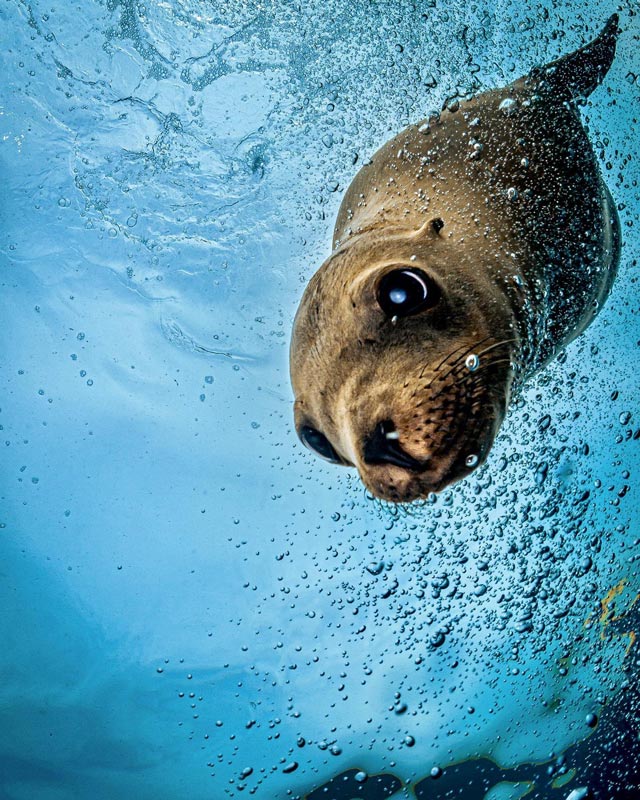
(431, 228)
(577, 74)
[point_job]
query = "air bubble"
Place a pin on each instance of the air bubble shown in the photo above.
(581, 793)
(472, 362)
(471, 460)
(508, 106)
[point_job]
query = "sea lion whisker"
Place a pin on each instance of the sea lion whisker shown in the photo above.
(481, 353)
(447, 357)
(456, 365)
(494, 346)
(486, 350)
(466, 378)
(465, 353)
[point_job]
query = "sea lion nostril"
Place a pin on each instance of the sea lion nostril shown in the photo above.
(388, 429)
(382, 446)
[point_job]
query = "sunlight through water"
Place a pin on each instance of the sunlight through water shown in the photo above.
(192, 605)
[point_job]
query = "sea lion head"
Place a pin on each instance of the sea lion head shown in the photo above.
(402, 360)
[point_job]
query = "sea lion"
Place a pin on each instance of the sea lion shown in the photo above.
(468, 252)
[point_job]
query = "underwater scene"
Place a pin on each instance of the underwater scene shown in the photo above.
(193, 606)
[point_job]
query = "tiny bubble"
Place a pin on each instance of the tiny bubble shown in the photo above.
(472, 362)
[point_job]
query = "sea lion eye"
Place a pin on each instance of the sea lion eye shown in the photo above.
(318, 442)
(404, 292)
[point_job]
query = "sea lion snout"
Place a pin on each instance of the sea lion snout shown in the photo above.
(382, 446)
(440, 428)
(409, 430)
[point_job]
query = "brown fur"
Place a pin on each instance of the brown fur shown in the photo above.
(524, 260)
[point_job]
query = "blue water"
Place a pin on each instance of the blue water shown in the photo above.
(186, 593)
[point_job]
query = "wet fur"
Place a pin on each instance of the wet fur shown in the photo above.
(522, 237)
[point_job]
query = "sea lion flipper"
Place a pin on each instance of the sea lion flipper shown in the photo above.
(577, 74)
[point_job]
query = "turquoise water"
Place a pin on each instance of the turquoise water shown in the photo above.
(193, 606)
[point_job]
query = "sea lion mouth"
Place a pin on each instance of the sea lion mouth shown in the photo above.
(409, 479)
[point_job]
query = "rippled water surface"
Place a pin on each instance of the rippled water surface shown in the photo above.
(191, 605)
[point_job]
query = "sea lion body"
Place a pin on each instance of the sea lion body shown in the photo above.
(499, 203)
(532, 211)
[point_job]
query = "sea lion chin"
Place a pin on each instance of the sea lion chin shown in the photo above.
(467, 253)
